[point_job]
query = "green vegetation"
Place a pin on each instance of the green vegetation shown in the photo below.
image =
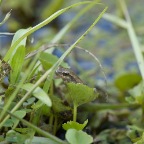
(37, 107)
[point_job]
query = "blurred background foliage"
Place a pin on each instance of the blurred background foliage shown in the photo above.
(109, 42)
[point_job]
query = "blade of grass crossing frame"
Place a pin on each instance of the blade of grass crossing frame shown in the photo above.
(71, 23)
(40, 25)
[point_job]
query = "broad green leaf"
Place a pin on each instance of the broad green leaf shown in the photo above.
(39, 94)
(8, 123)
(42, 140)
(138, 93)
(43, 108)
(37, 105)
(29, 101)
(23, 130)
(20, 114)
(127, 81)
(15, 137)
(47, 60)
(80, 94)
(78, 137)
(17, 35)
(16, 64)
(58, 105)
(138, 90)
(74, 125)
(130, 99)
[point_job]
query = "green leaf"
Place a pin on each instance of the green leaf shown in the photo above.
(8, 123)
(58, 105)
(44, 109)
(138, 93)
(23, 130)
(14, 137)
(127, 81)
(39, 94)
(17, 35)
(47, 60)
(29, 101)
(33, 72)
(37, 105)
(42, 140)
(80, 94)
(78, 137)
(130, 99)
(20, 114)
(74, 125)
(16, 64)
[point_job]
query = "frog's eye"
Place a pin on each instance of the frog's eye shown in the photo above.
(66, 73)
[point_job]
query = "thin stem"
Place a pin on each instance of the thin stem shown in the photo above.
(133, 38)
(6, 33)
(94, 107)
(55, 125)
(51, 119)
(116, 20)
(142, 118)
(75, 113)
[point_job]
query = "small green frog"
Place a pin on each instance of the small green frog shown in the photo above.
(68, 75)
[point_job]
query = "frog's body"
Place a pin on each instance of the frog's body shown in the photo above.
(67, 75)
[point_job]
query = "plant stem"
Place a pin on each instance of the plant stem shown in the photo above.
(142, 118)
(55, 125)
(133, 38)
(94, 107)
(75, 113)
(51, 120)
